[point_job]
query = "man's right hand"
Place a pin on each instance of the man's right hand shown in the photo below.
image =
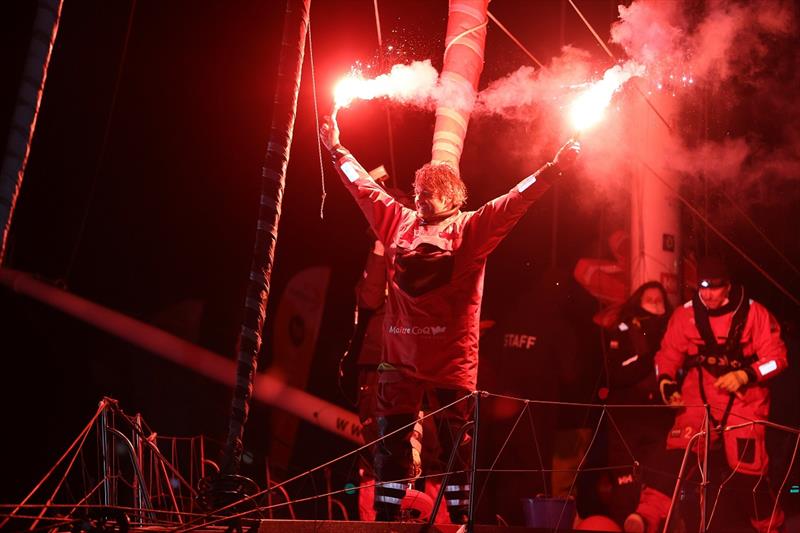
(329, 132)
(670, 392)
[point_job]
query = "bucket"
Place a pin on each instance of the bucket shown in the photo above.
(549, 513)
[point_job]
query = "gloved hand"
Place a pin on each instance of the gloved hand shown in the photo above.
(329, 132)
(732, 381)
(670, 392)
(567, 154)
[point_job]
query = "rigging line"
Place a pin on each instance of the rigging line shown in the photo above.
(538, 449)
(652, 106)
(705, 220)
(79, 440)
(345, 489)
(502, 448)
(82, 438)
(516, 41)
(732, 473)
(316, 123)
(591, 29)
(613, 58)
(621, 436)
(733, 203)
(760, 232)
(719, 233)
(551, 470)
(195, 524)
(586, 453)
(582, 404)
(103, 145)
(785, 480)
(390, 131)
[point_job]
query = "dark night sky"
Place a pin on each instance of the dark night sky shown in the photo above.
(142, 188)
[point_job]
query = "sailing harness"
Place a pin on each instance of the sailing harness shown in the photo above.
(716, 358)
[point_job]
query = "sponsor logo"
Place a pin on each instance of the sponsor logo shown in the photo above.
(417, 330)
(625, 480)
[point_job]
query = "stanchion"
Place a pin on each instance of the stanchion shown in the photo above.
(474, 466)
(704, 474)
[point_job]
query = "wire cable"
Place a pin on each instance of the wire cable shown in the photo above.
(103, 146)
(696, 212)
(514, 39)
(316, 122)
(390, 131)
(194, 525)
(591, 29)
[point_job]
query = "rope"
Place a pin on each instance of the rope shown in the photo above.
(464, 33)
(719, 233)
(591, 29)
(390, 133)
(579, 468)
(316, 122)
(613, 58)
(760, 232)
(785, 479)
(503, 447)
(196, 524)
(516, 41)
(78, 442)
(217, 518)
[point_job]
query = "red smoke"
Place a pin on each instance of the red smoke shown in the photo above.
(718, 51)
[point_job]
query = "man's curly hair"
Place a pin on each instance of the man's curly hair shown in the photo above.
(441, 179)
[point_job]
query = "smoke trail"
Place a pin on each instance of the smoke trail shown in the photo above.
(725, 40)
(729, 49)
(680, 55)
(526, 93)
(413, 84)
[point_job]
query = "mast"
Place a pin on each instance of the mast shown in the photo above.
(273, 179)
(26, 111)
(463, 64)
(655, 225)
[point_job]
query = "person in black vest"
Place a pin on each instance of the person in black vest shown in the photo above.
(634, 434)
(729, 347)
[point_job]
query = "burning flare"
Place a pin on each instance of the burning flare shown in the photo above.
(411, 84)
(589, 107)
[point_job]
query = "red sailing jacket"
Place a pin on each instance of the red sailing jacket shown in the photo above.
(761, 336)
(435, 274)
(745, 447)
(371, 300)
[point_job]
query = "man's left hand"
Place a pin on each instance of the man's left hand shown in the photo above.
(732, 381)
(567, 154)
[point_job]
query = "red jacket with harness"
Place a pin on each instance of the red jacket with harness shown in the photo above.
(760, 352)
(435, 273)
